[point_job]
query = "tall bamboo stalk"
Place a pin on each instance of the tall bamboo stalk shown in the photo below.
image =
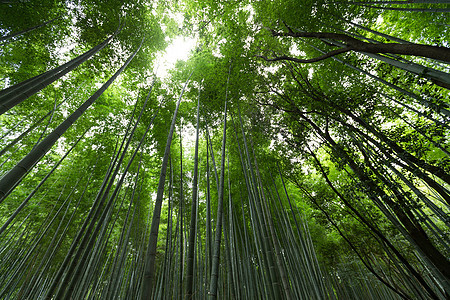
(14, 34)
(193, 227)
(9, 181)
(14, 95)
(218, 232)
(149, 275)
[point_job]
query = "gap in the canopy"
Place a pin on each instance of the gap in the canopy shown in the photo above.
(179, 48)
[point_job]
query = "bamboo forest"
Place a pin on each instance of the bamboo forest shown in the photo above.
(202, 149)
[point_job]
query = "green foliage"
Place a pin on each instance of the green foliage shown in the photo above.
(358, 159)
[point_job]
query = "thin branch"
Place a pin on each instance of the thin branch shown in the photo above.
(312, 60)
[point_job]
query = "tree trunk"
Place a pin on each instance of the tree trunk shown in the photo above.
(12, 178)
(192, 227)
(435, 52)
(16, 94)
(415, 233)
(218, 233)
(7, 37)
(149, 273)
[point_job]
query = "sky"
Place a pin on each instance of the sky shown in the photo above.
(179, 49)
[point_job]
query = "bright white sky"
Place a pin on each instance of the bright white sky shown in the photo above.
(179, 49)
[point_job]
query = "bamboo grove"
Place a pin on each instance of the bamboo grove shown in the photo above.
(300, 152)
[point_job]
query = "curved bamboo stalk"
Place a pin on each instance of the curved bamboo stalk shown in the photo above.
(14, 34)
(9, 180)
(422, 101)
(24, 203)
(78, 267)
(14, 95)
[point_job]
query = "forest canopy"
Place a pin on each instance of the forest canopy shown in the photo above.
(300, 151)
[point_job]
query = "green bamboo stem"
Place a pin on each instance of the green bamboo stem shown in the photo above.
(149, 276)
(192, 227)
(218, 232)
(10, 179)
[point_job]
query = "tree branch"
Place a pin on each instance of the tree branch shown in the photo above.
(318, 35)
(434, 52)
(312, 60)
